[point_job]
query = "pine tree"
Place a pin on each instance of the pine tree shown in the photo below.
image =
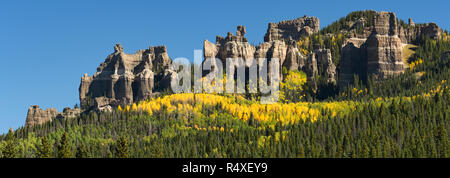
(64, 147)
(122, 148)
(10, 150)
(82, 151)
(45, 149)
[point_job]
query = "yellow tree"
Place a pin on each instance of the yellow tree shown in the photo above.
(291, 88)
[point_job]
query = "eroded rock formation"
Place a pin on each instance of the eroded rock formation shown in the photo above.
(124, 78)
(353, 61)
(384, 47)
(292, 29)
(368, 50)
(37, 116)
(378, 50)
(279, 45)
(325, 62)
(230, 47)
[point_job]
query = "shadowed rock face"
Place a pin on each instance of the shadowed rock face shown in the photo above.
(325, 61)
(413, 32)
(37, 116)
(125, 78)
(354, 61)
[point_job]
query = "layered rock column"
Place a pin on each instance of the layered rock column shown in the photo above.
(384, 47)
(280, 44)
(125, 78)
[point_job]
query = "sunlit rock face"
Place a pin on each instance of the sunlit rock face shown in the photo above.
(292, 29)
(384, 47)
(124, 78)
(37, 116)
(279, 44)
(378, 50)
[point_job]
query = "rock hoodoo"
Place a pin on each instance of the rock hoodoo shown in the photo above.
(229, 47)
(280, 43)
(372, 46)
(384, 47)
(292, 29)
(378, 51)
(124, 78)
(37, 116)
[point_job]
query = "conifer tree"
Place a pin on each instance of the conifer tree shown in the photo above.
(45, 149)
(64, 147)
(82, 151)
(10, 150)
(122, 150)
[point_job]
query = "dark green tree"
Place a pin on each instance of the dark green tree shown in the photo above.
(82, 151)
(44, 149)
(64, 147)
(122, 147)
(10, 150)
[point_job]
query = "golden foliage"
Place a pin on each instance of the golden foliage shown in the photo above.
(184, 105)
(291, 89)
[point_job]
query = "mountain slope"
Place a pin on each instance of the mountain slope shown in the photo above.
(374, 114)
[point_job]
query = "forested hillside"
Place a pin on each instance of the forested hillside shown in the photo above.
(404, 116)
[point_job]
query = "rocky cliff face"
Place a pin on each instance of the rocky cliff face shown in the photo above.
(279, 44)
(412, 32)
(325, 62)
(37, 116)
(353, 62)
(230, 47)
(378, 51)
(124, 78)
(384, 47)
(368, 50)
(292, 29)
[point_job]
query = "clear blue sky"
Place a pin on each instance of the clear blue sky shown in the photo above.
(46, 46)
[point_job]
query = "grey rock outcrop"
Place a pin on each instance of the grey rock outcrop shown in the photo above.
(70, 112)
(229, 47)
(311, 70)
(377, 50)
(430, 30)
(37, 116)
(411, 22)
(292, 29)
(294, 60)
(379, 53)
(325, 61)
(353, 61)
(104, 104)
(124, 78)
(319, 62)
(411, 33)
(384, 47)
(282, 48)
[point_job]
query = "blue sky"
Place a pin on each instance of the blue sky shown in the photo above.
(46, 46)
